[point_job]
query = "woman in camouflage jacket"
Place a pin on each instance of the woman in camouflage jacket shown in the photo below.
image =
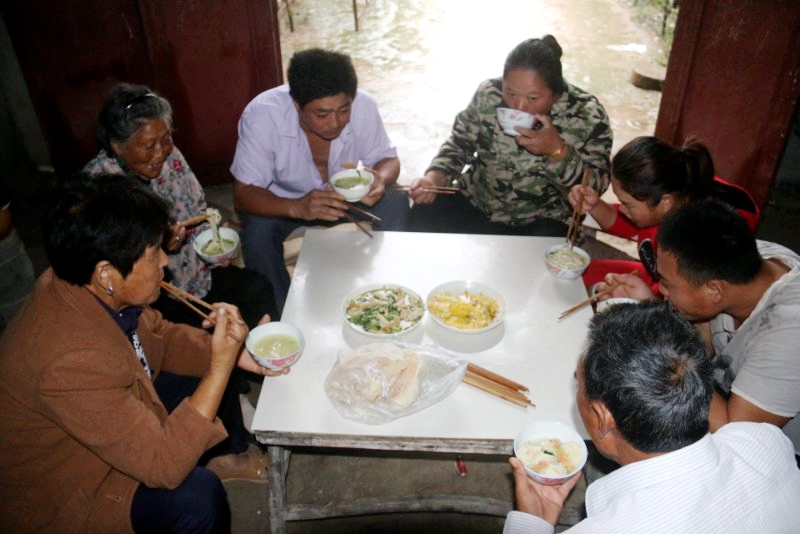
(517, 185)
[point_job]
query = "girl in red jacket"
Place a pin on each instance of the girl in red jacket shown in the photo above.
(650, 177)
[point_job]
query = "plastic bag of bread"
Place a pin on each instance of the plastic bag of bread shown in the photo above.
(379, 382)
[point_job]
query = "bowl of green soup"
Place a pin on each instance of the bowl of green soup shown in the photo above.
(222, 251)
(275, 345)
(352, 184)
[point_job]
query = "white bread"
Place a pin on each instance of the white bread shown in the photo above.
(393, 372)
(405, 388)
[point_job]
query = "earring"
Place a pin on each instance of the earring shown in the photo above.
(109, 290)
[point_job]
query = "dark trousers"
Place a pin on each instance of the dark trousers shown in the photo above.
(263, 237)
(455, 214)
(198, 505)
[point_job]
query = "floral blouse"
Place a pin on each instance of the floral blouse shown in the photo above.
(178, 185)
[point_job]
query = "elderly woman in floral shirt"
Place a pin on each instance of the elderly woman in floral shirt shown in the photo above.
(135, 132)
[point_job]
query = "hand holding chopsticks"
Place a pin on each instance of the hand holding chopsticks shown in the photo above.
(197, 219)
(187, 298)
(496, 385)
(594, 298)
(436, 189)
(576, 213)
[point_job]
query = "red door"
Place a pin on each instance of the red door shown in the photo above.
(208, 58)
(733, 81)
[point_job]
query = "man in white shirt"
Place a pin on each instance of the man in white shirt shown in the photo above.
(744, 295)
(644, 391)
(292, 139)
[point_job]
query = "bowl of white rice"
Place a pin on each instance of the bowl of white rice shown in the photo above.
(552, 452)
(566, 261)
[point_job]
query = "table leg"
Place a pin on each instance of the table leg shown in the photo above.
(276, 489)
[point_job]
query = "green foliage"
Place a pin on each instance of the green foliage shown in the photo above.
(658, 16)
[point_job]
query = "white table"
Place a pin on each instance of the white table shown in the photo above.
(531, 346)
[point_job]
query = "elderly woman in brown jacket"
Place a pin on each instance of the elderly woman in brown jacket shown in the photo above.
(85, 442)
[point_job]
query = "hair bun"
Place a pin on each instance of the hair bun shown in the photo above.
(551, 42)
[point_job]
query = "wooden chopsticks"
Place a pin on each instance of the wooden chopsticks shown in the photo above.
(593, 298)
(439, 190)
(496, 385)
(365, 213)
(187, 298)
(576, 213)
(197, 219)
(354, 221)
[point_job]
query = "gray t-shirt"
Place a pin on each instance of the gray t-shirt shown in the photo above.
(760, 361)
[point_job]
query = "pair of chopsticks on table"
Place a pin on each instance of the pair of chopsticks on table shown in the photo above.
(439, 190)
(187, 298)
(593, 298)
(496, 385)
(574, 223)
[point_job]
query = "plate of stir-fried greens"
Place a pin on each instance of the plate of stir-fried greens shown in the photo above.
(381, 310)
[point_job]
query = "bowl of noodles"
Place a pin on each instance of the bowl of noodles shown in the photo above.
(383, 311)
(566, 261)
(213, 251)
(466, 306)
(551, 452)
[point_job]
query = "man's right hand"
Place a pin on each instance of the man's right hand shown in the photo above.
(628, 286)
(320, 204)
(537, 499)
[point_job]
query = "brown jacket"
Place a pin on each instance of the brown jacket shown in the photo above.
(80, 423)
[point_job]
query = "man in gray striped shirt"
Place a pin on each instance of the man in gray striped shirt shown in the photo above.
(644, 392)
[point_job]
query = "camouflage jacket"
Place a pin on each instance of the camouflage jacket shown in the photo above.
(511, 185)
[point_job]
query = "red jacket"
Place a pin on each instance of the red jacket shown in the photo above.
(732, 194)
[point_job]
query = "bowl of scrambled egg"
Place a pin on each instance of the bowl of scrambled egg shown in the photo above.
(466, 306)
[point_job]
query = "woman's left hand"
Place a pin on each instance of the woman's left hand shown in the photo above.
(247, 362)
(541, 142)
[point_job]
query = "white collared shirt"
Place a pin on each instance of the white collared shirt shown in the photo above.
(740, 480)
(273, 152)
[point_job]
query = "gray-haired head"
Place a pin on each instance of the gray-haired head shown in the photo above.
(651, 371)
(126, 109)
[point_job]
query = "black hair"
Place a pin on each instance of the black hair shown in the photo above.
(103, 217)
(126, 109)
(543, 56)
(649, 368)
(317, 73)
(710, 241)
(648, 167)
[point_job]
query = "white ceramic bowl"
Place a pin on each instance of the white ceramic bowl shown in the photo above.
(604, 305)
(458, 288)
(276, 362)
(537, 430)
(566, 273)
(403, 327)
(227, 255)
(508, 118)
(342, 180)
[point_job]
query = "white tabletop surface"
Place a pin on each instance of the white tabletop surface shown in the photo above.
(531, 346)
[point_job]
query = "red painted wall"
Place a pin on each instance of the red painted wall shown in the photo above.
(733, 81)
(207, 58)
